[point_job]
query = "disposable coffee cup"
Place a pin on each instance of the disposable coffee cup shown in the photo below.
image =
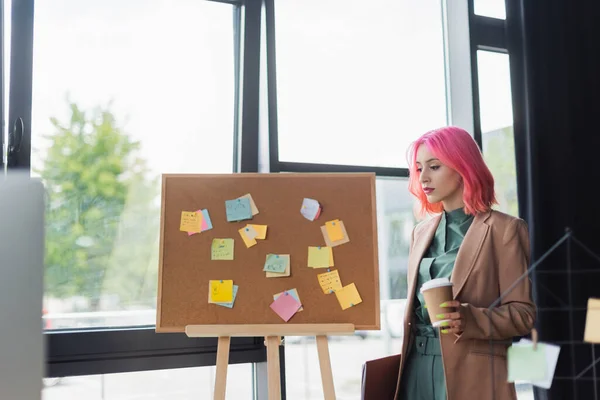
(436, 292)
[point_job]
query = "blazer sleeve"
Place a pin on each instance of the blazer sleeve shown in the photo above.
(515, 316)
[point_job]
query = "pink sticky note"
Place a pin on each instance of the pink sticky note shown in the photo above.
(286, 306)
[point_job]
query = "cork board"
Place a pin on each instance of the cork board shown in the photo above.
(185, 265)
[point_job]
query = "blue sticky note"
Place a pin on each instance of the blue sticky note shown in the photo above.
(206, 219)
(230, 304)
(274, 263)
(238, 209)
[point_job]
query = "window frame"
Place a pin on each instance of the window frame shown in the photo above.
(140, 348)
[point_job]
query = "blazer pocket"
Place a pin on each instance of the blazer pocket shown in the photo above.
(483, 348)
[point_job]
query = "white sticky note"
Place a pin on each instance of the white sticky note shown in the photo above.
(552, 353)
(310, 209)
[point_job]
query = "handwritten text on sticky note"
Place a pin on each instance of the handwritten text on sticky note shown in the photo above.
(222, 249)
(190, 221)
(238, 209)
(330, 281)
(275, 263)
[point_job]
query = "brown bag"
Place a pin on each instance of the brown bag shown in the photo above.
(380, 377)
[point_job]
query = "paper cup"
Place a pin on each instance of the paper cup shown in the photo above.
(436, 292)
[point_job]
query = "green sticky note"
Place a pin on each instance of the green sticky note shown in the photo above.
(525, 363)
(275, 263)
(319, 257)
(222, 249)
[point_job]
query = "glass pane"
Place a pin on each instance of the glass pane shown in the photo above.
(357, 83)
(497, 126)
(395, 220)
(491, 8)
(172, 384)
(122, 92)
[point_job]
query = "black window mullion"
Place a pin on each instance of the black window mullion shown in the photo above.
(21, 62)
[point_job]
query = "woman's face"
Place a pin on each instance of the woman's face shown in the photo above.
(438, 181)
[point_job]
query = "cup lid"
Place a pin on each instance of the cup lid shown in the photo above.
(435, 283)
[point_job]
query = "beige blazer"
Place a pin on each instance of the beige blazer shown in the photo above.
(493, 255)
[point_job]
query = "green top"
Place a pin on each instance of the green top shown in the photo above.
(438, 260)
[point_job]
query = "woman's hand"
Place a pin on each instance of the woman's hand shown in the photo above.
(456, 323)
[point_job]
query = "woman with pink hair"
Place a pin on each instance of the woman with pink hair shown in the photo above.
(482, 252)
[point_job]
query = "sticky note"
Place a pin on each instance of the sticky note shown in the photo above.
(252, 203)
(334, 230)
(332, 243)
(592, 322)
(261, 231)
(249, 242)
(238, 209)
(285, 306)
(320, 257)
(221, 291)
(310, 209)
(275, 263)
(348, 296)
(286, 272)
(250, 232)
(292, 292)
(206, 223)
(330, 281)
(222, 249)
(525, 363)
(228, 304)
(190, 221)
(552, 353)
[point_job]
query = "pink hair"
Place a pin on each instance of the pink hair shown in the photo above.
(455, 148)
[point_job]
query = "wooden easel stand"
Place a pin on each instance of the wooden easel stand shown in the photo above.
(272, 334)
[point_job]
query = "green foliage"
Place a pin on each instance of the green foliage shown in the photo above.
(102, 212)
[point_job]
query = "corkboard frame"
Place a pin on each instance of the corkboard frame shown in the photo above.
(185, 266)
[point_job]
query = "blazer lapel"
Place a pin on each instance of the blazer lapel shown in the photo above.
(468, 251)
(422, 240)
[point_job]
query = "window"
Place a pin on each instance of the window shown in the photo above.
(356, 84)
(172, 384)
(491, 8)
(122, 92)
(497, 126)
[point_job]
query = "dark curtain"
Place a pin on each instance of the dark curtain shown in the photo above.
(554, 48)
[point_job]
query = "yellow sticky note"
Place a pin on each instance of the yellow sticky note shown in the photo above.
(592, 322)
(191, 221)
(252, 204)
(330, 281)
(334, 230)
(261, 231)
(348, 296)
(222, 249)
(221, 291)
(247, 241)
(319, 257)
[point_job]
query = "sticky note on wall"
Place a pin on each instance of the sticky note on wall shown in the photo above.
(190, 221)
(222, 249)
(592, 322)
(320, 257)
(330, 281)
(238, 209)
(334, 230)
(221, 291)
(348, 296)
